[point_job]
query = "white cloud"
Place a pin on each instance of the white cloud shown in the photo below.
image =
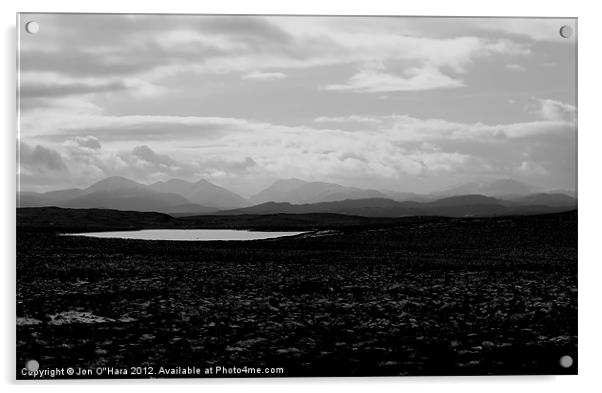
(53, 86)
(89, 142)
(348, 119)
(531, 168)
(144, 63)
(58, 123)
(371, 80)
(264, 76)
(189, 40)
(556, 111)
(359, 150)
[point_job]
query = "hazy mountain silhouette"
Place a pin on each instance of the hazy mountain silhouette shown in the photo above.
(461, 200)
(64, 194)
(294, 196)
(135, 199)
(466, 205)
(36, 199)
(571, 193)
(299, 191)
(202, 193)
(278, 191)
(548, 199)
(408, 196)
(120, 193)
(494, 188)
(31, 199)
(457, 206)
(114, 184)
(372, 207)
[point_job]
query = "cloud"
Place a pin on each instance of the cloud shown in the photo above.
(352, 119)
(132, 128)
(411, 129)
(372, 80)
(178, 45)
(531, 168)
(140, 163)
(89, 142)
(357, 150)
(264, 76)
(556, 111)
(163, 94)
(43, 90)
(144, 153)
(41, 167)
(390, 144)
(253, 29)
(86, 162)
(223, 167)
(46, 89)
(40, 159)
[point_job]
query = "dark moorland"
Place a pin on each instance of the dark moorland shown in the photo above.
(357, 296)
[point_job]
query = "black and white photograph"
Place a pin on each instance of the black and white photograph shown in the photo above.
(272, 196)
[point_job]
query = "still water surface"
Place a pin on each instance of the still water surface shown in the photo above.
(188, 234)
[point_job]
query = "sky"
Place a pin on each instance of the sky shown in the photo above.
(392, 103)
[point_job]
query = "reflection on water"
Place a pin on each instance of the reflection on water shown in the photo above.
(188, 234)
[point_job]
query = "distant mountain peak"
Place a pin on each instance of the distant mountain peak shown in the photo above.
(298, 191)
(179, 181)
(115, 179)
(292, 182)
(202, 192)
(113, 183)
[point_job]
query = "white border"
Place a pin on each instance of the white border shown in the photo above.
(590, 194)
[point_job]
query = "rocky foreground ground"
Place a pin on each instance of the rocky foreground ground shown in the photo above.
(426, 296)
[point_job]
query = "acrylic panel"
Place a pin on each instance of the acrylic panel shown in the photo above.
(205, 196)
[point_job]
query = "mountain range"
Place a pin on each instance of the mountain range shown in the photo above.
(456, 206)
(173, 196)
(294, 196)
(496, 188)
